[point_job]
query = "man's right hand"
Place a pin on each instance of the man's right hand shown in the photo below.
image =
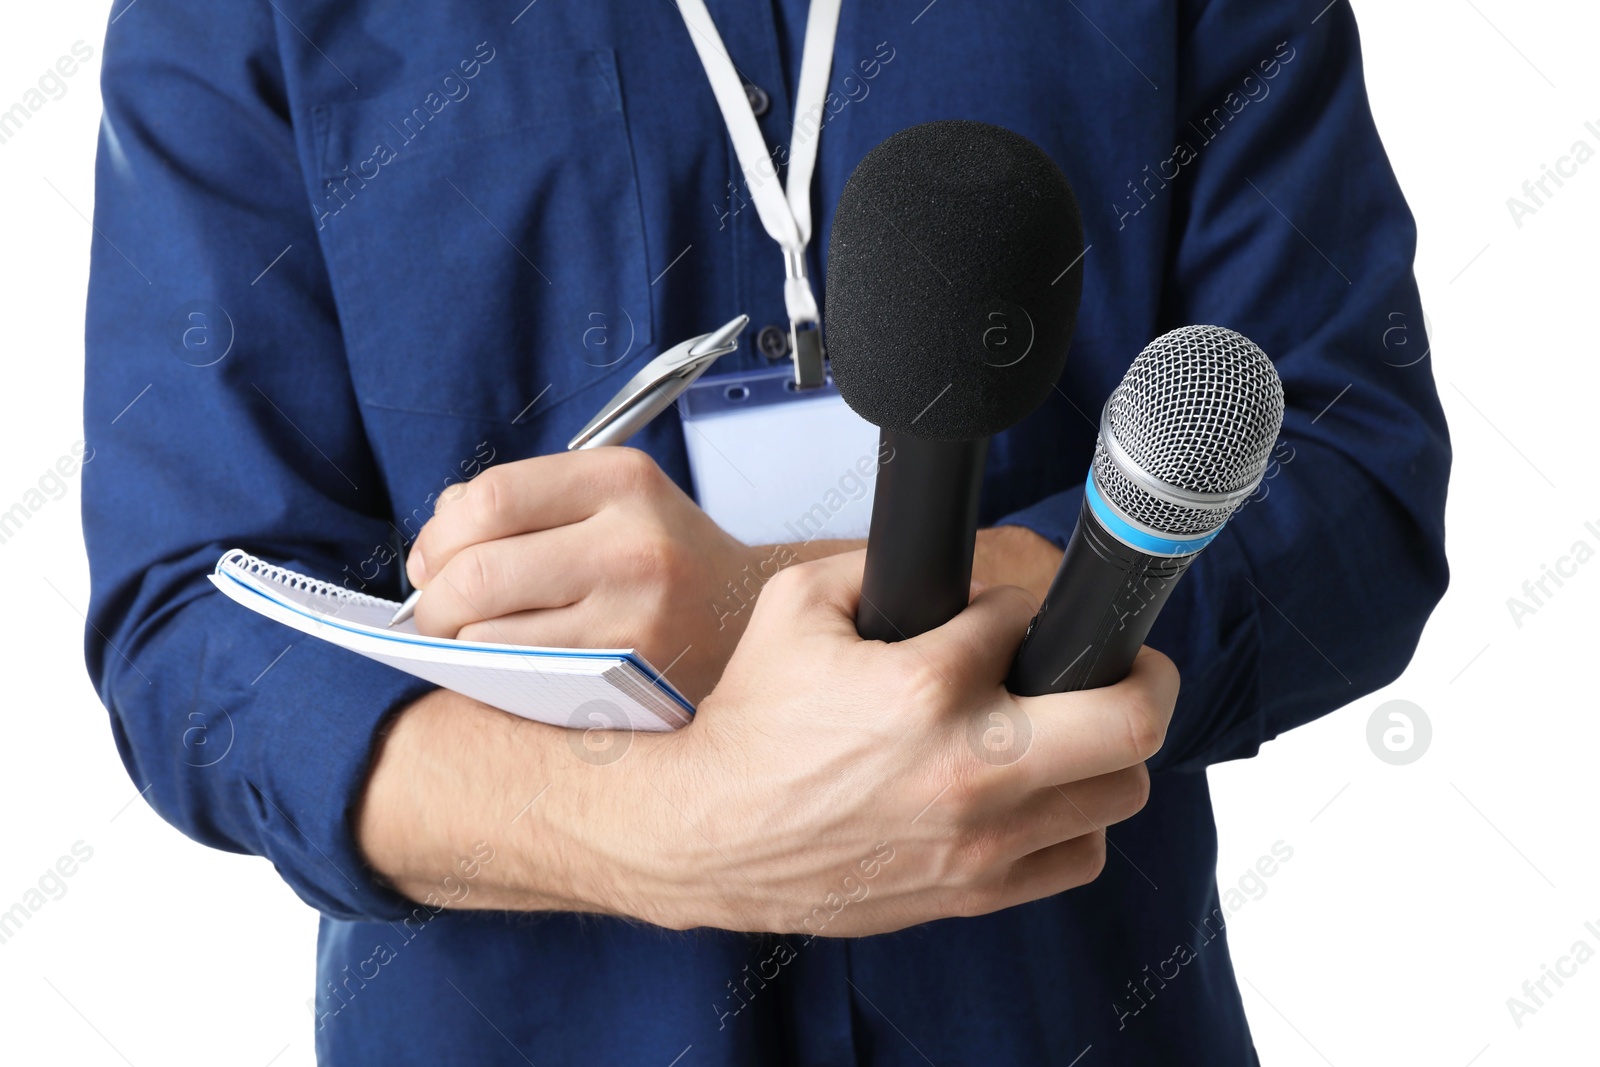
(828, 785)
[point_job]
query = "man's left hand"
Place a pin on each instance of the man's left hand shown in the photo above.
(590, 549)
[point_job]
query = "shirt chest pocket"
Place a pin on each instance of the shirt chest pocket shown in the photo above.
(484, 236)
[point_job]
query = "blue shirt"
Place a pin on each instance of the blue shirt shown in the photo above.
(358, 250)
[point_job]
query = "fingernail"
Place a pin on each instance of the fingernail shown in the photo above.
(417, 567)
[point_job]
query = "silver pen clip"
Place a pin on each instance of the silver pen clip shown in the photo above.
(657, 384)
(646, 395)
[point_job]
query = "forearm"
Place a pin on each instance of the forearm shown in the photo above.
(452, 775)
(800, 786)
(567, 833)
(1015, 555)
(1005, 555)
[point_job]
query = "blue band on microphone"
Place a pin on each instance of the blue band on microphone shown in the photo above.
(1134, 537)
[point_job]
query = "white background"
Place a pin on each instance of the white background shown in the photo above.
(1419, 897)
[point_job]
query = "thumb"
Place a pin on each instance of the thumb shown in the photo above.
(986, 634)
(819, 596)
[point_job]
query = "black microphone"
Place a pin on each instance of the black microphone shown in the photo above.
(1184, 441)
(952, 290)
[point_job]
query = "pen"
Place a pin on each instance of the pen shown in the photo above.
(647, 394)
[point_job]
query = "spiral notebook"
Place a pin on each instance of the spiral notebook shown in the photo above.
(580, 687)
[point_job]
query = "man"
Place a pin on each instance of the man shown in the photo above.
(396, 224)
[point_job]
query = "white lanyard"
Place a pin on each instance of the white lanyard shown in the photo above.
(785, 214)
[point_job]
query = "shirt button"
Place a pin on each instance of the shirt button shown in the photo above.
(760, 102)
(773, 341)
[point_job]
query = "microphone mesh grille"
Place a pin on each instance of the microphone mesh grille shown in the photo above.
(1198, 411)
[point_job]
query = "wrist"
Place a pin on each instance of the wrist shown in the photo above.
(619, 829)
(1015, 555)
(452, 777)
(806, 551)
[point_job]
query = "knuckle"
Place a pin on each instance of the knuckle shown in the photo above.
(647, 561)
(449, 496)
(1136, 789)
(973, 901)
(477, 631)
(654, 627)
(632, 470)
(794, 587)
(1169, 670)
(423, 543)
(1094, 858)
(915, 678)
(971, 785)
(1146, 725)
(1019, 601)
(963, 792)
(978, 851)
(473, 575)
(1141, 781)
(482, 501)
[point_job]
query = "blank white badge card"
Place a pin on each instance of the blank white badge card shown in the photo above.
(773, 464)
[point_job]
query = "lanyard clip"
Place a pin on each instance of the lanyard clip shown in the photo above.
(805, 342)
(805, 330)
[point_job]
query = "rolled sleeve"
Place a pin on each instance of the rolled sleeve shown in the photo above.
(1288, 226)
(220, 414)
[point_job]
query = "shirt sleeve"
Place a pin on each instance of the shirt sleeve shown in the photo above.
(220, 414)
(1286, 224)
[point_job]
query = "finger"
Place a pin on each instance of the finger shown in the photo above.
(1057, 868)
(1073, 736)
(985, 635)
(1045, 873)
(496, 578)
(541, 493)
(568, 627)
(1063, 812)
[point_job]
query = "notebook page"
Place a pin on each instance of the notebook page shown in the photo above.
(559, 686)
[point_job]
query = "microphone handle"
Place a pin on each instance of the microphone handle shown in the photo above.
(924, 525)
(1099, 610)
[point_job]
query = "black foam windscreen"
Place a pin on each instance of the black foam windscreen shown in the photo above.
(953, 281)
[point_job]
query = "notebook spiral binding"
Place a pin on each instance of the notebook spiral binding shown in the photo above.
(260, 568)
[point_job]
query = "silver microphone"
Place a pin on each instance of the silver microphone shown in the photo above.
(1185, 439)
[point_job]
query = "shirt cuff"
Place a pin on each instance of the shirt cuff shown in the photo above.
(325, 709)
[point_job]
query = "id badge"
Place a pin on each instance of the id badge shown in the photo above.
(776, 465)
